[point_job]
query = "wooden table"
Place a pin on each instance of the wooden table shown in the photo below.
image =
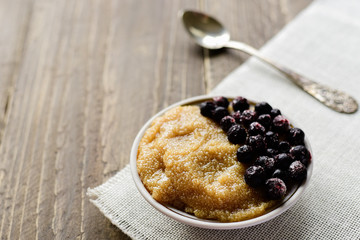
(77, 81)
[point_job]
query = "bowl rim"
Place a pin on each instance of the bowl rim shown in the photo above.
(204, 223)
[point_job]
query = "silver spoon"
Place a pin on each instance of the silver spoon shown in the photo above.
(210, 33)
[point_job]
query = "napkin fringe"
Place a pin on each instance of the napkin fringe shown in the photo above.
(95, 198)
(94, 193)
(133, 233)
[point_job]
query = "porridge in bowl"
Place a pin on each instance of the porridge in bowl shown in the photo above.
(219, 161)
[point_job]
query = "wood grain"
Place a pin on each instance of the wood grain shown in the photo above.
(77, 81)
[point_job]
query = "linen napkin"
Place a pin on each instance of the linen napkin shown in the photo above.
(323, 43)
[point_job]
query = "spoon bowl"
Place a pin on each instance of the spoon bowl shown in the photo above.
(206, 31)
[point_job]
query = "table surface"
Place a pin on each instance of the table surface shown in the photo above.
(77, 81)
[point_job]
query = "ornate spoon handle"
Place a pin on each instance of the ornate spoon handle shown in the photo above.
(332, 98)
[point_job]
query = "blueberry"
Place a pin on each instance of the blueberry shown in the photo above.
(262, 108)
(284, 147)
(272, 139)
(236, 134)
(270, 152)
(280, 124)
(297, 171)
(296, 136)
(219, 113)
(221, 102)
(275, 188)
(266, 162)
(275, 112)
(227, 122)
(256, 128)
(265, 120)
(283, 160)
(257, 143)
(260, 161)
(255, 176)
(279, 173)
(245, 154)
(240, 104)
(236, 115)
(207, 108)
(301, 153)
(248, 117)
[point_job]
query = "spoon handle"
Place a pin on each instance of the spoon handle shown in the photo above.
(332, 98)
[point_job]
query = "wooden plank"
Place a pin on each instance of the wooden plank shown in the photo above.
(15, 16)
(79, 79)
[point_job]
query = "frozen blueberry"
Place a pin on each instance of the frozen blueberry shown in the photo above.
(270, 152)
(236, 115)
(265, 120)
(227, 122)
(240, 104)
(245, 154)
(296, 136)
(275, 112)
(221, 102)
(272, 139)
(257, 143)
(263, 108)
(219, 113)
(207, 108)
(301, 153)
(260, 161)
(284, 147)
(297, 171)
(236, 134)
(248, 117)
(280, 124)
(283, 160)
(266, 162)
(275, 188)
(279, 173)
(256, 128)
(255, 176)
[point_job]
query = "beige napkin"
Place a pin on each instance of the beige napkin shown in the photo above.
(323, 42)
